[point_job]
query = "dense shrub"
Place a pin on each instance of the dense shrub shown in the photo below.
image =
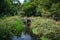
(44, 26)
(44, 8)
(53, 35)
(10, 26)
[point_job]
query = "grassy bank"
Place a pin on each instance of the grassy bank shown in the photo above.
(10, 26)
(45, 27)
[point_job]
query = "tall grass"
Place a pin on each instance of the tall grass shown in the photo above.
(45, 27)
(10, 26)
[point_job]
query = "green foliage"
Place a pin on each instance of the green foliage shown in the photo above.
(18, 26)
(44, 38)
(27, 9)
(8, 8)
(10, 26)
(44, 26)
(54, 35)
(44, 8)
(55, 10)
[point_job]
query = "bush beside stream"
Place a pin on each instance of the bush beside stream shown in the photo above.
(45, 27)
(10, 26)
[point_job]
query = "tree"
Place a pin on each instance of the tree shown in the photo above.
(7, 7)
(28, 9)
(48, 8)
(44, 8)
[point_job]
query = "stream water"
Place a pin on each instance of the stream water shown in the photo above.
(24, 36)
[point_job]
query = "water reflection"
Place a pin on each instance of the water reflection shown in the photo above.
(24, 36)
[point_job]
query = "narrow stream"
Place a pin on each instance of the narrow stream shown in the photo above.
(24, 36)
